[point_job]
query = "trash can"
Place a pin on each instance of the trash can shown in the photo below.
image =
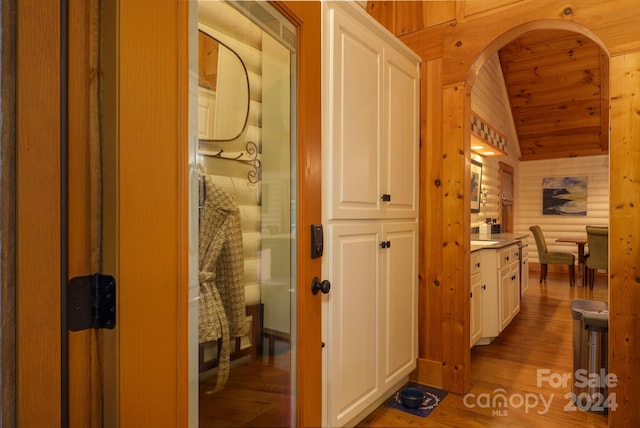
(590, 368)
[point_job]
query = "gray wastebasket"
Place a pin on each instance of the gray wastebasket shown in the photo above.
(590, 336)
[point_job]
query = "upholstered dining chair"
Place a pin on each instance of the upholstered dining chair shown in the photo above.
(549, 257)
(598, 257)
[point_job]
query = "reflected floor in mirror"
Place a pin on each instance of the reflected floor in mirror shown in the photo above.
(540, 337)
(257, 394)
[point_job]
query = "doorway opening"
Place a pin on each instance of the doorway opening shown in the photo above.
(551, 147)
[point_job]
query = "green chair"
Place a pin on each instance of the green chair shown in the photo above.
(598, 257)
(556, 258)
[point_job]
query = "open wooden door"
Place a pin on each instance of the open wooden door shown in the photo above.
(136, 374)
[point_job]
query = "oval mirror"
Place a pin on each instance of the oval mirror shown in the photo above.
(223, 91)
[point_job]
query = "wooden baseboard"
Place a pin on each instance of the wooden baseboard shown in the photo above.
(428, 372)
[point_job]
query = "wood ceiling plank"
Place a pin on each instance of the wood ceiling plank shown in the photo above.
(531, 96)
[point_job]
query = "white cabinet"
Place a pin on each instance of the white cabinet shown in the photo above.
(372, 313)
(476, 296)
(206, 113)
(371, 107)
(508, 284)
(524, 272)
(500, 290)
(370, 206)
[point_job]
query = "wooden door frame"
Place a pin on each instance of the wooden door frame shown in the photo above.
(307, 17)
(8, 216)
(35, 153)
(38, 236)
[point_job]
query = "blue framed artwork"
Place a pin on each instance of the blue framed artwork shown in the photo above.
(476, 184)
(564, 196)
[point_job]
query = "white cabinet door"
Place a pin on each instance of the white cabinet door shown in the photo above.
(476, 297)
(491, 324)
(524, 274)
(400, 130)
(354, 111)
(372, 313)
(509, 278)
(372, 109)
(206, 113)
(504, 285)
(399, 310)
(514, 295)
(353, 321)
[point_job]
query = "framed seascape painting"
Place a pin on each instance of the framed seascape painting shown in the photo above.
(476, 184)
(564, 196)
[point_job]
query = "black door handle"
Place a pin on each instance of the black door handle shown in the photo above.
(317, 286)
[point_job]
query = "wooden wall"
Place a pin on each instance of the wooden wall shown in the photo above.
(454, 40)
(490, 101)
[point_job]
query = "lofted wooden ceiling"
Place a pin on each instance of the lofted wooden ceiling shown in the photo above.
(560, 106)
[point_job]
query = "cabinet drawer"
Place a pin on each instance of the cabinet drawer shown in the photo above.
(507, 255)
(476, 258)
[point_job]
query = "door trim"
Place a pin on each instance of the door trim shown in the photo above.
(307, 17)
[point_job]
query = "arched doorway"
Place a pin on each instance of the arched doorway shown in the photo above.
(543, 62)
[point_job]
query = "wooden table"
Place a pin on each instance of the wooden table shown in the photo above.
(581, 266)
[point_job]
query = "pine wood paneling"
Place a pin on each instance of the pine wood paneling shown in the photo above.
(471, 7)
(431, 212)
(412, 16)
(624, 238)
(455, 262)
(554, 81)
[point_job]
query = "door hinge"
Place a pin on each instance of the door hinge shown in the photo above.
(91, 302)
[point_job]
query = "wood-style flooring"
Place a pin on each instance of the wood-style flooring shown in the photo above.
(257, 394)
(539, 338)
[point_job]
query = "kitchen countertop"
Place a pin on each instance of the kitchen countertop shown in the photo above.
(503, 239)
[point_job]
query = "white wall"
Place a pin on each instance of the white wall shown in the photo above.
(528, 200)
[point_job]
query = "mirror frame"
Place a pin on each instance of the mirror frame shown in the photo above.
(246, 74)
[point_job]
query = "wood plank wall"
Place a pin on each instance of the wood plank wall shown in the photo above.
(452, 53)
(490, 101)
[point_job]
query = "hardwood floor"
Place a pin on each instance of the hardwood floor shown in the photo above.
(539, 338)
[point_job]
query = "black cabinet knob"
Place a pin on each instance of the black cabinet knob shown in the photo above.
(317, 286)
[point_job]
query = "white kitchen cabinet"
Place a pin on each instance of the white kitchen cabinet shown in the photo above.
(501, 290)
(508, 284)
(524, 272)
(371, 105)
(476, 296)
(370, 208)
(371, 313)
